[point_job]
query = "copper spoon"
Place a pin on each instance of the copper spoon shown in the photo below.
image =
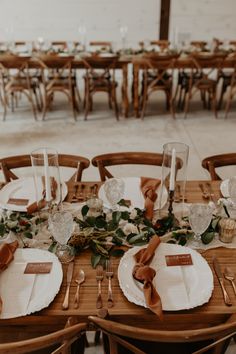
(79, 281)
(229, 275)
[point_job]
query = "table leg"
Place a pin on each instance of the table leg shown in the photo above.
(135, 90)
(124, 91)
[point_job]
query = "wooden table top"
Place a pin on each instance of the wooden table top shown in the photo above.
(213, 312)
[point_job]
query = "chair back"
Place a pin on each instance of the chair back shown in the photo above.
(101, 45)
(124, 158)
(200, 45)
(210, 340)
(64, 338)
(8, 164)
(59, 45)
(210, 163)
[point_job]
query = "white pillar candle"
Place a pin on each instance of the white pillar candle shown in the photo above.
(172, 170)
(47, 177)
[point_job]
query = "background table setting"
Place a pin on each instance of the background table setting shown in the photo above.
(109, 229)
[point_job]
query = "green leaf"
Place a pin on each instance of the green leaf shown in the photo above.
(117, 240)
(52, 248)
(2, 229)
(95, 259)
(125, 215)
(207, 237)
(139, 237)
(28, 234)
(101, 250)
(111, 225)
(124, 202)
(100, 223)
(182, 240)
(117, 253)
(84, 210)
(214, 223)
(116, 216)
(91, 220)
(120, 233)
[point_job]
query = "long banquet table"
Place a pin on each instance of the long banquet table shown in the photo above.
(53, 317)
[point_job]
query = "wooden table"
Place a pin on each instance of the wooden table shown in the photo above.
(54, 317)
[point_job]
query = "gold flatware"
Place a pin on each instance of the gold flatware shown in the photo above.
(205, 194)
(221, 281)
(79, 281)
(229, 275)
(99, 278)
(69, 275)
(109, 276)
(74, 198)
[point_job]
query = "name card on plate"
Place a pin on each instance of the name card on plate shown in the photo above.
(178, 259)
(38, 268)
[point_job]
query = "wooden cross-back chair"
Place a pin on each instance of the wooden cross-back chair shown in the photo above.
(210, 163)
(124, 158)
(100, 77)
(126, 339)
(58, 342)
(229, 82)
(78, 163)
(57, 76)
(199, 79)
(18, 82)
(59, 45)
(199, 45)
(158, 76)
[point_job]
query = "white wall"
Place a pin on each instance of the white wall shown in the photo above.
(203, 19)
(60, 19)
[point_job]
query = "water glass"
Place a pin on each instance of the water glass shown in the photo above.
(61, 226)
(114, 190)
(46, 176)
(200, 216)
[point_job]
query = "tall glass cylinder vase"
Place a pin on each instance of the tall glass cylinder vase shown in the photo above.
(174, 170)
(46, 177)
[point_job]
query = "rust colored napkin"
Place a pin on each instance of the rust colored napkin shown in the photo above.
(148, 187)
(32, 208)
(145, 274)
(7, 251)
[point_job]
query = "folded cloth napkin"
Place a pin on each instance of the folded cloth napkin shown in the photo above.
(6, 256)
(32, 208)
(145, 274)
(148, 187)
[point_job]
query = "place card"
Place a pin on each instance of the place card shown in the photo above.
(38, 268)
(18, 201)
(178, 260)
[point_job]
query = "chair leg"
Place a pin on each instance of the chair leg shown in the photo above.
(114, 99)
(214, 103)
(186, 106)
(228, 104)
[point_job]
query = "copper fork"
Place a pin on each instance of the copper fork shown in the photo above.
(109, 276)
(99, 278)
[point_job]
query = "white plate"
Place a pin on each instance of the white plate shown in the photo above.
(224, 188)
(180, 287)
(134, 194)
(23, 188)
(42, 288)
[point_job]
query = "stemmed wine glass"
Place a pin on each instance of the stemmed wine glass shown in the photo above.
(199, 218)
(114, 190)
(61, 226)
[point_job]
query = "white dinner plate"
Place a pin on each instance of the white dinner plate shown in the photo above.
(224, 188)
(179, 287)
(134, 194)
(18, 300)
(23, 188)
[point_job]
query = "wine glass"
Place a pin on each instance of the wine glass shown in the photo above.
(114, 190)
(199, 218)
(232, 189)
(61, 226)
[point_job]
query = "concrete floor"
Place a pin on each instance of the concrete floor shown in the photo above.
(204, 134)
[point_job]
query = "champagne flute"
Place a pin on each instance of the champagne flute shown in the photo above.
(199, 218)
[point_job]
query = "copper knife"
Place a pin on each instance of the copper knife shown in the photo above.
(221, 281)
(69, 275)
